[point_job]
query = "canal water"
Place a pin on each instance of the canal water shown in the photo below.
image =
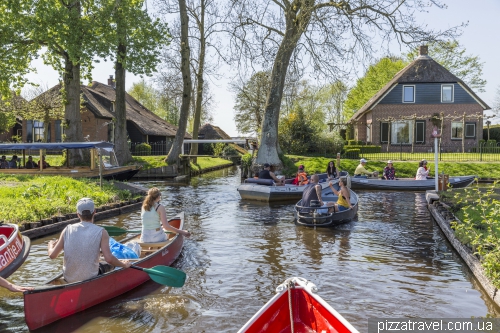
(391, 262)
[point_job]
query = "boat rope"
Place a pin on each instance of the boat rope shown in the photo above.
(289, 286)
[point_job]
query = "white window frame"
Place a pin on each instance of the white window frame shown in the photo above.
(452, 93)
(394, 132)
(414, 89)
(38, 132)
(465, 133)
(461, 126)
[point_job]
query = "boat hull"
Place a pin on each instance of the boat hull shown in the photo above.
(118, 173)
(49, 303)
(310, 313)
(14, 249)
(407, 184)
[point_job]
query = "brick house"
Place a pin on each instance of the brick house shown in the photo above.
(404, 112)
(97, 119)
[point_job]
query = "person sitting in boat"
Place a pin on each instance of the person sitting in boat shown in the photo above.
(361, 170)
(44, 163)
(302, 176)
(331, 171)
(154, 219)
(12, 287)
(344, 200)
(268, 174)
(312, 192)
(30, 164)
(422, 173)
(82, 244)
(13, 162)
(389, 171)
(4, 164)
(256, 175)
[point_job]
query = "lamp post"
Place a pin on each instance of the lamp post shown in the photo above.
(488, 123)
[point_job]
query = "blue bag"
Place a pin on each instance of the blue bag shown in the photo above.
(121, 251)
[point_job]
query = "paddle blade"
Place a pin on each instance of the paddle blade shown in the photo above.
(114, 231)
(168, 276)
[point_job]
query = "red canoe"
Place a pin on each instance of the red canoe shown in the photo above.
(14, 249)
(57, 300)
(310, 312)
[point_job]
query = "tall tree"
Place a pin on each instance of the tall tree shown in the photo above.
(137, 40)
(174, 152)
(158, 103)
(330, 32)
(374, 79)
(452, 56)
(8, 110)
(333, 97)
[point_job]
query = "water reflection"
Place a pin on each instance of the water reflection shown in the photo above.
(391, 262)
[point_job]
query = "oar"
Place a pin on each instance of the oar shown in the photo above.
(165, 275)
(116, 231)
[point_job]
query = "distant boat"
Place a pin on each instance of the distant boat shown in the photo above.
(297, 308)
(407, 184)
(310, 216)
(14, 249)
(102, 154)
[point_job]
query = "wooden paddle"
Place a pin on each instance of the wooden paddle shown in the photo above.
(168, 276)
(116, 231)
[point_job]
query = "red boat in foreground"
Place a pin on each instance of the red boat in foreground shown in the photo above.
(297, 309)
(14, 249)
(59, 299)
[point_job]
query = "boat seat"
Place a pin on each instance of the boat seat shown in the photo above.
(147, 248)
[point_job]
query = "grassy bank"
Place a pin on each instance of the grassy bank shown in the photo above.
(403, 169)
(478, 211)
(151, 162)
(31, 198)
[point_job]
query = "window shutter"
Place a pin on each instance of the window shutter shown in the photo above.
(57, 124)
(29, 130)
(420, 131)
(48, 133)
(384, 132)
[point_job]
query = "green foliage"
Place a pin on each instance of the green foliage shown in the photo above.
(246, 161)
(143, 149)
(374, 79)
(229, 150)
(352, 153)
(218, 148)
(31, 198)
(365, 149)
(297, 132)
(203, 163)
(478, 226)
(494, 133)
(208, 148)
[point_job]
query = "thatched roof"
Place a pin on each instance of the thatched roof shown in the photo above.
(424, 69)
(99, 100)
(211, 132)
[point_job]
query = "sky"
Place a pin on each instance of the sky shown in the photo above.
(480, 38)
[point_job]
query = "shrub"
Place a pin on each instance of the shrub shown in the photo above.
(142, 149)
(208, 149)
(229, 150)
(218, 148)
(352, 142)
(352, 153)
(365, 149)
(246, 161)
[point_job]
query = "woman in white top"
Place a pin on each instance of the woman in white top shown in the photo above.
(422, 171)
(154, 219)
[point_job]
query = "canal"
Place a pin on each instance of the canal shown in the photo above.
(391, 262)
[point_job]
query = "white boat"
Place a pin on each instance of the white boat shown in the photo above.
(14, 249)
(407, 184)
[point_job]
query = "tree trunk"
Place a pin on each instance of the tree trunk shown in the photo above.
(199, 77)
(121, 145)
(186, 90)
(73, 130)
(268, 150)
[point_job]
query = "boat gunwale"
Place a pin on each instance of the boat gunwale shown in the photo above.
(12, 236)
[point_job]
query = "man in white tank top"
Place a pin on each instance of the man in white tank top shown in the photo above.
(82, 244)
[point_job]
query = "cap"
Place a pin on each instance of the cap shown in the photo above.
(389, 162)
(85, 204)
(266, 165)
(362, 160)
(424, 161)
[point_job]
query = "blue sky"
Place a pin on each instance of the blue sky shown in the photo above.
(479, 38)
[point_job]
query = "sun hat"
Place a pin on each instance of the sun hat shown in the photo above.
(362, 160)
(85, 204)
(389, 162)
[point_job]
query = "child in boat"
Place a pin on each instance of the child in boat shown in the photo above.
(331, 171)
(302, 176)
(154, 219)
(422, 171)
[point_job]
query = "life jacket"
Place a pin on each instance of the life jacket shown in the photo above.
(302, 177)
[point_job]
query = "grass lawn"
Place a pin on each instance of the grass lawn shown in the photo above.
(150, 162)
(404, 169)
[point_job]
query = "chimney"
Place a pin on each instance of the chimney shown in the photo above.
(423, 50)
(111, 82)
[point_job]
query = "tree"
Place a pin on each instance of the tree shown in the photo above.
(452, 56)
(332, 97)
(8, 107)
(136, 39)
(297, 131)
(187, 86)
(251, 99)
(329, 32)
(374, 79)
(496, 103)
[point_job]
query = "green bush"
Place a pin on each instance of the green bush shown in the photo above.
(246, 161)
(142, 149)
(352, 153)
(208, 149)
(352, 142)
(229, 150)
(218, 148)
(366, 149)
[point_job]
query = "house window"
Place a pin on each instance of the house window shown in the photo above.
(29, 130)
(456, 130)
(58, 128)
(402, 132)
(470, 130)
(38, 131)
(384, 132)
(369, 133)
(420, 131)
(408, 94)
(447, 93)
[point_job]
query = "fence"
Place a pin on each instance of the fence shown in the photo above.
(157, 148)
(481, 153)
